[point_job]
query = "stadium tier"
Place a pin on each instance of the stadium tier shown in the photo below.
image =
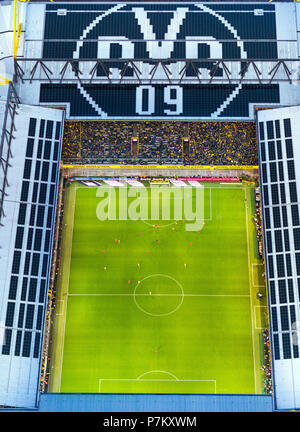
(206, 143)
(149, 210)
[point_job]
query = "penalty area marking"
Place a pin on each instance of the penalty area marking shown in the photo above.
(173, 378)
(150, 223)
(158, 371)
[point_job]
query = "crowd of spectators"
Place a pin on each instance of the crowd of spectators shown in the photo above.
(160, 142)
(267, 363)
(258, 222)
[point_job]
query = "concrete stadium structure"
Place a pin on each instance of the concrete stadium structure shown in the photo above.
(110, 61)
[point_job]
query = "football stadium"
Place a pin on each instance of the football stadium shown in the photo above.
(149, 211)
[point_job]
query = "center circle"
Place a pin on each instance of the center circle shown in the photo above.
(158, 295)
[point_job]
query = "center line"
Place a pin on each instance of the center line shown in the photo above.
(168, 295)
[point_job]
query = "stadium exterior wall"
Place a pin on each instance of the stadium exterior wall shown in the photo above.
(93, 402)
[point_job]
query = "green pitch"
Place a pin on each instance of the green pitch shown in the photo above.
(158, 309)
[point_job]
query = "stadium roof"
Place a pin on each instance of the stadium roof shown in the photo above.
(28, 179)
(279, 156)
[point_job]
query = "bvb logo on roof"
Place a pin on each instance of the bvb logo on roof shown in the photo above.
(139, 35)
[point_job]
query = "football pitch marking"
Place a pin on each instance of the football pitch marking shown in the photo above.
(62, 308)
(253, 278)
(210, 187)
(186, 295)
(158, 371)
(173, 378)
(225, 183)
(255, 316)
(153, 295)
(150, 221)
(160, 314)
